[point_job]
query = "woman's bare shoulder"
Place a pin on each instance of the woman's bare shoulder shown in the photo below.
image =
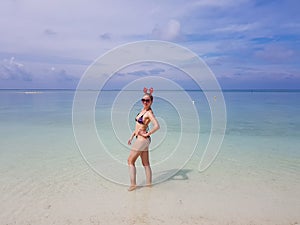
(150, 113)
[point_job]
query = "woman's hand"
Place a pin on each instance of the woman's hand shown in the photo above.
(143, 133)
(129, 141)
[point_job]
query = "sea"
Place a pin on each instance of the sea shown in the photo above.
(46, 138)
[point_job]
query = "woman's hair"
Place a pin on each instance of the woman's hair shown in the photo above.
(149, 95)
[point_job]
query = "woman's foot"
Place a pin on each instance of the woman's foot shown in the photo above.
(132, 187)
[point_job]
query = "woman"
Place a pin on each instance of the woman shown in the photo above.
(143, 139)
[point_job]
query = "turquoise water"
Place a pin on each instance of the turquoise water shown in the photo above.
(262, 135)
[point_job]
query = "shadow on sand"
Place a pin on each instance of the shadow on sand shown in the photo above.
(173, 174)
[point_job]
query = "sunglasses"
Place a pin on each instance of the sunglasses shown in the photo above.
(145, 100)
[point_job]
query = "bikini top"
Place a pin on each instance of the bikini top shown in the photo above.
(140, 119)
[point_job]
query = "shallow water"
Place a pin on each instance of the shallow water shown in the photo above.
(262, 133)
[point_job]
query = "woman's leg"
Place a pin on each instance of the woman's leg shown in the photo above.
(146, 164)
(132, 170)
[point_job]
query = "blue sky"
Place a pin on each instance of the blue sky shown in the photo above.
(246, 43)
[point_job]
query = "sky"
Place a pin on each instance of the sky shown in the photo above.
(248, 44)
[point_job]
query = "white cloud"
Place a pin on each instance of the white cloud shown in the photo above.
(218, 3)
(12, 62)
(67, 35)
(169, 32)
(12, 70)
(236, 28)
(276, 54)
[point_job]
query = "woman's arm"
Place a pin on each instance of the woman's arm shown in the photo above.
(155, 125)
(131, 137)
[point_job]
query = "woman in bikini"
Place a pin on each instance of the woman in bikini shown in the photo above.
(141, 145)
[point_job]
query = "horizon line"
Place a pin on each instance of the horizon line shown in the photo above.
(225, 90)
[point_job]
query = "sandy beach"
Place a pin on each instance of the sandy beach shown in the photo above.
(72, 193)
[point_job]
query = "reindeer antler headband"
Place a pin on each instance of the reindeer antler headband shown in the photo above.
(150, 90)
